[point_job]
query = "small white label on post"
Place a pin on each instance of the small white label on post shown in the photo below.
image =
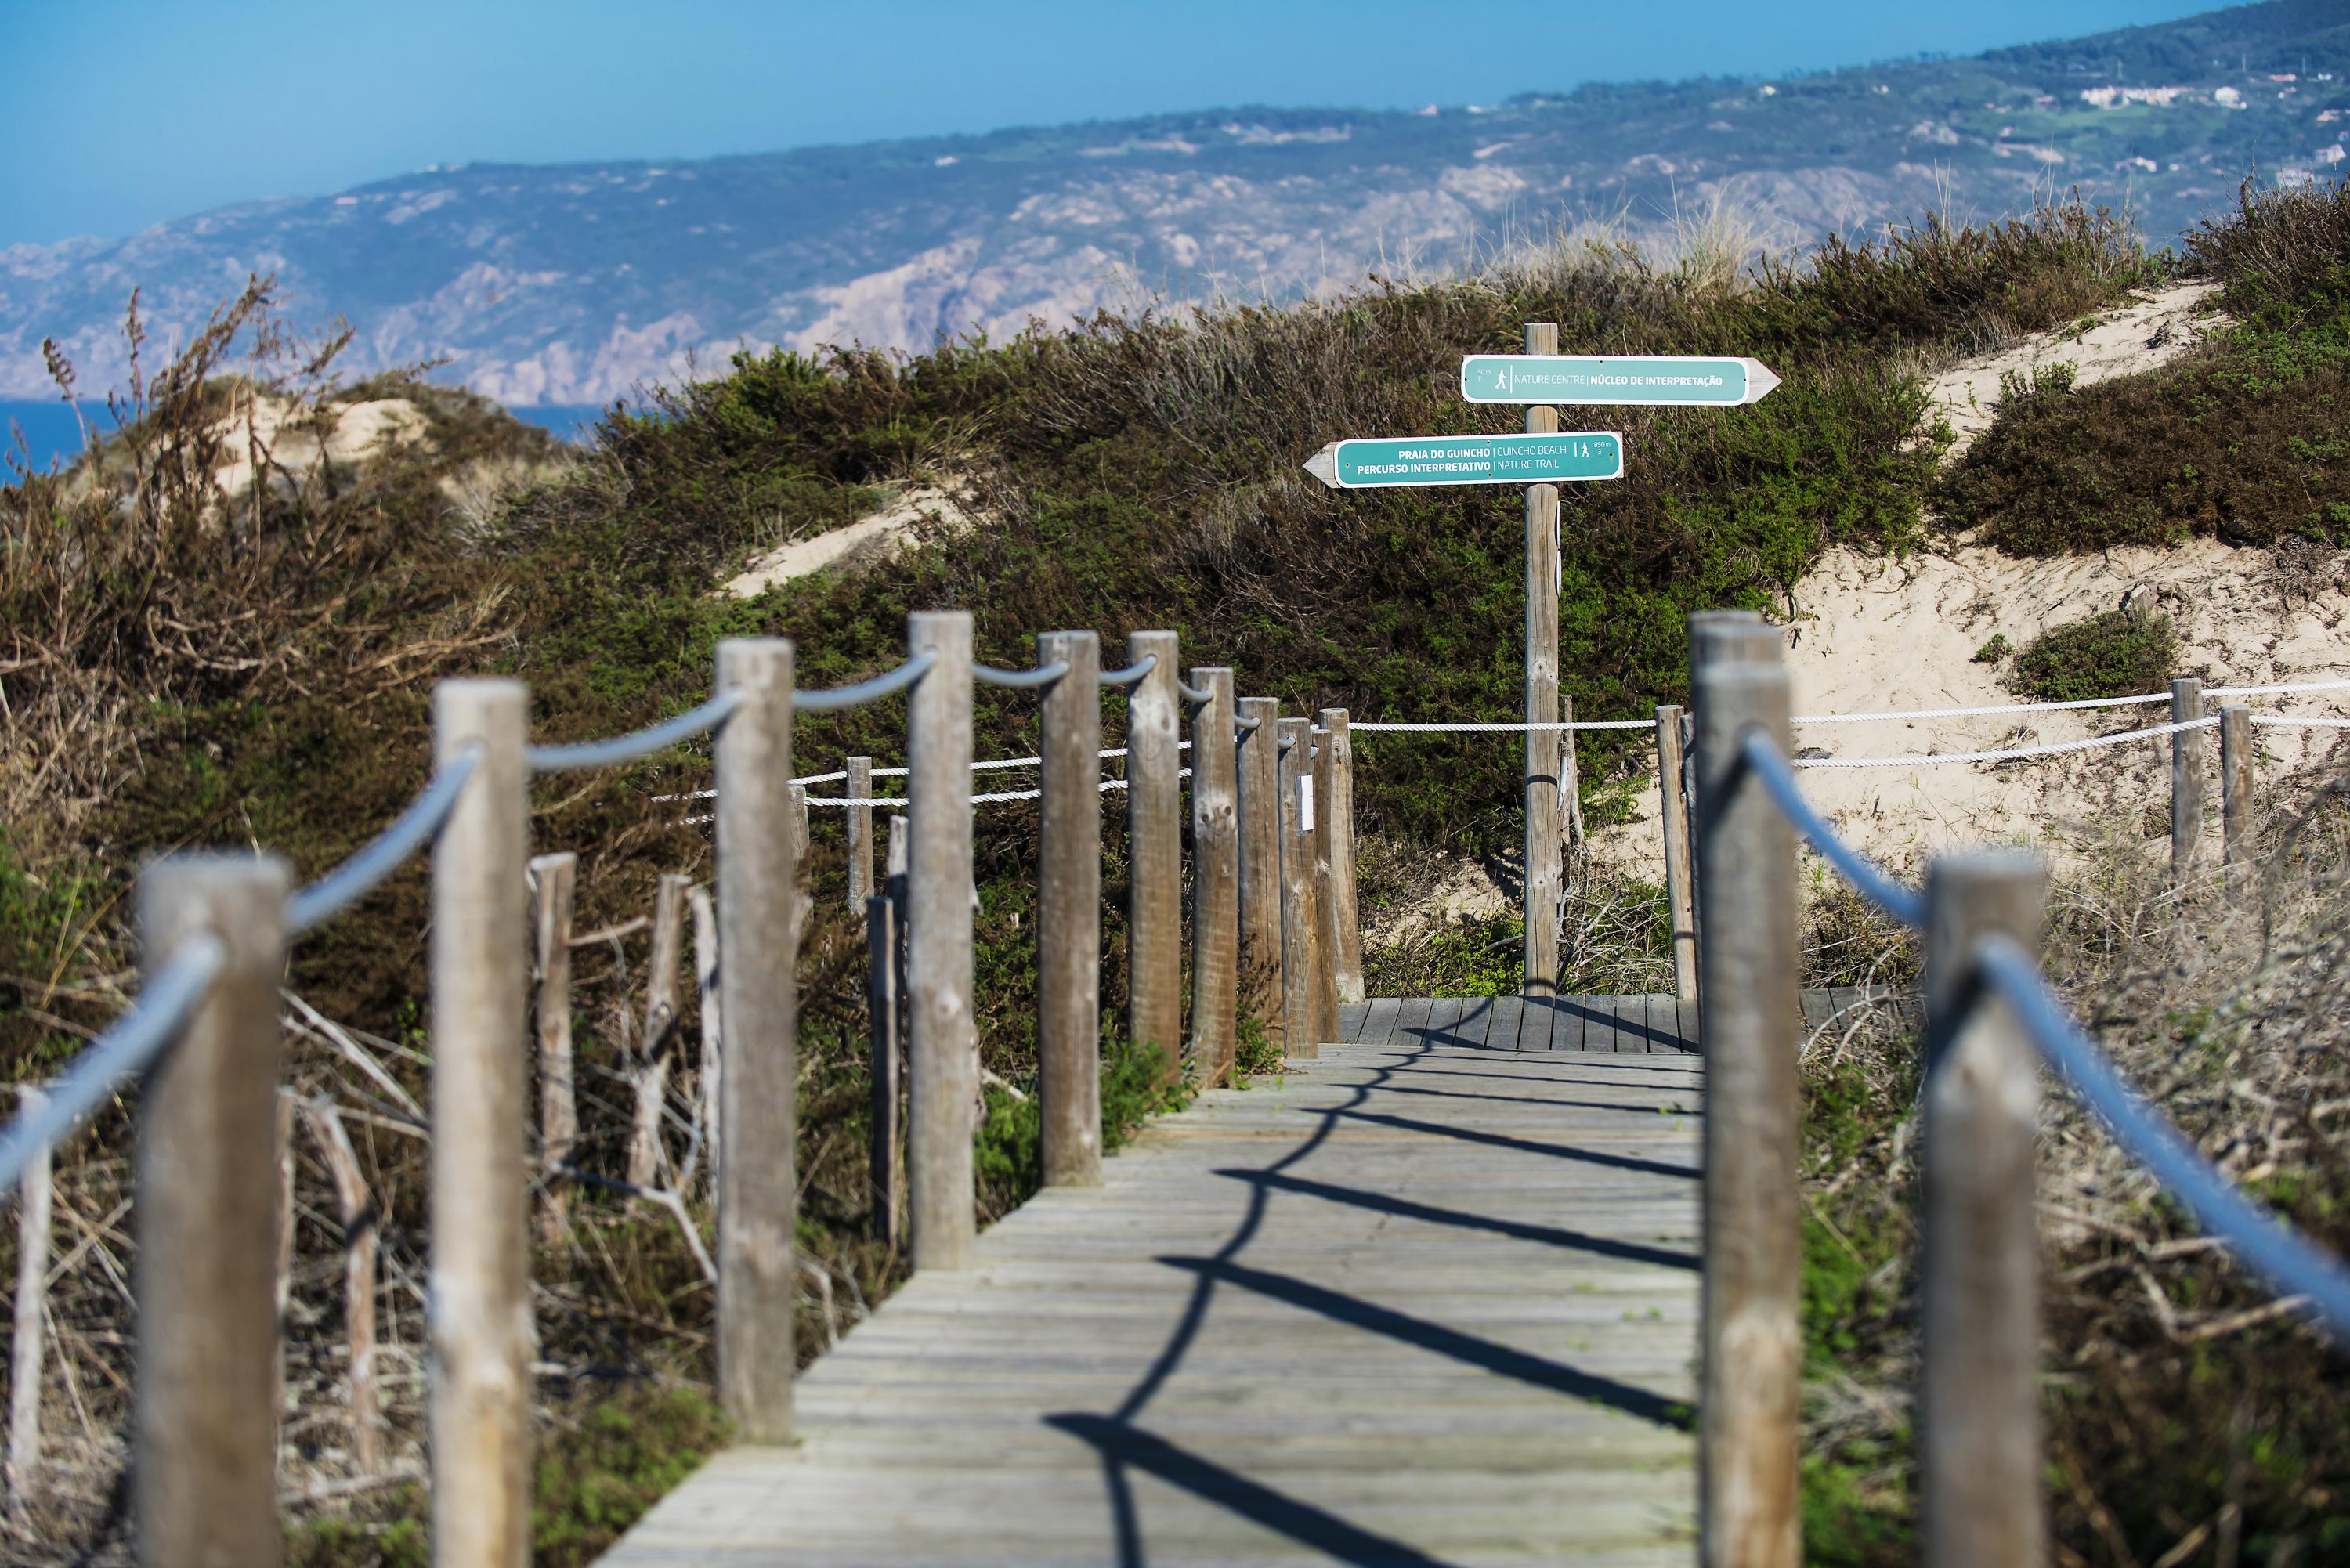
(1306, 803)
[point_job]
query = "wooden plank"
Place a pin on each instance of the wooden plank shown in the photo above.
(1599, 1024)
(1443, 1018)
(1351, 1015)
(1476, 1023)
(1509, 1018)
(1816, 1007)
(1379, 1024)
(1411, 1020)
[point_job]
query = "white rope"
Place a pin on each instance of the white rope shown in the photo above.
(2275, 690)
(2283, 724)
(1106, 785)
(1368, 729)
(1973, 712)
(2007, 755)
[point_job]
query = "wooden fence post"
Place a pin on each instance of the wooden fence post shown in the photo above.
(2186, 773)
(1154, 941)
(1346, 914)
(1544, 818)
(943, 1052)
(1979, 1402)
(1299, 922)
(1258, 794)
(555, 878)
(1680, 901)
(1749, 962)
(203, 1472)
(2236, 784)
(482, 1333)
(758, 1001)
(713, 1034)
(1215, 879)
(361, 1239)
(1068, 910)
(881, 1019)
(25, 1351)
(1323, 829)
(861, 833)
(648, 1158)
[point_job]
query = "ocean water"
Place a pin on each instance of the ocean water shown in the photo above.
(53, 435)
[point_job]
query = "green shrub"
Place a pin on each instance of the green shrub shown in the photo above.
(1993, 652)
(1257, 1055)
(597, 1478)
(2119, 653)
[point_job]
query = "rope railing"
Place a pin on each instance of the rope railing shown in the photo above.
(2271, 1249)
(1875, 883)
(1020, 679)
(2010, 754)
(696, 721)
(1132, 674)
(131, 1045)
(2290, 1264)
(884, 685)
(347, 884)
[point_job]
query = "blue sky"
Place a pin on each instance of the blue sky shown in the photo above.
(125, 112)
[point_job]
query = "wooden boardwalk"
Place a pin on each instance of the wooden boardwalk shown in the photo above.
(1431, 1298)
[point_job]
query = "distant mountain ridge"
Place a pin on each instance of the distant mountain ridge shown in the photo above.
(570, 284)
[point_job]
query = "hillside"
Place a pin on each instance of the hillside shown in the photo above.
(190, 660)
(572, 284)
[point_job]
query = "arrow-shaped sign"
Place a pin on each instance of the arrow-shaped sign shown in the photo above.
(1563, 458)
(1678, 380)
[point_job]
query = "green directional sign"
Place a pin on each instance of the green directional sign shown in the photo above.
(1612, 379)
(1559, 458)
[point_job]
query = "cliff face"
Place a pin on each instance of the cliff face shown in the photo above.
(571, 284)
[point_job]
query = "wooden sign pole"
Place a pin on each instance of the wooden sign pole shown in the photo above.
(1546, 860)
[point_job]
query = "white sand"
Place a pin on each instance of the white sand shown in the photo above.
(1869, 634)
(876, 537)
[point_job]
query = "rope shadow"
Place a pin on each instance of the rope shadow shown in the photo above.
(1404, 1207)
(1120, 1445)
(1503, 1140)
(1473, 1350)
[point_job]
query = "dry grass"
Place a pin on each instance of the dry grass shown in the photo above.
(2182, 1397)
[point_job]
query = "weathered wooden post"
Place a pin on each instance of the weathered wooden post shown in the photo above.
(706, 971)
(1546, 821)
(648, 1158)
(758, 1073)
(1680, 901)
(944, 1053)
(2186, 773)
(1980, 1458)
(555, 878)
(2236, 785)
(25, 1349)
(881, 1019)
(1258, 793)
(483, 1336)
(1747, 990)
(1322, 829)
(204, 1475)
(1346, 914)
(1154, 941)
(1300, 922)
(361, 1241)
(1215, 878)
(1068, 911)
(861, 833)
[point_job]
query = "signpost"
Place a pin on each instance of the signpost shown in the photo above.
(1542, 460)
(1469, 460)
(1678, 380)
